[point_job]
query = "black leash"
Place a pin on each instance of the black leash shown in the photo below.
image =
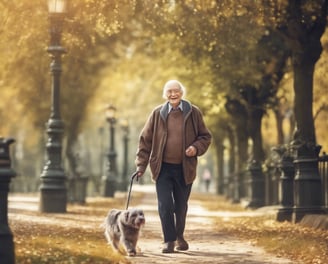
(131, 182)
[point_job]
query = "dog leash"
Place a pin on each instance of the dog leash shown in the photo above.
(131, 182)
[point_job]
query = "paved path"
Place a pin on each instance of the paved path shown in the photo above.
(206, 245)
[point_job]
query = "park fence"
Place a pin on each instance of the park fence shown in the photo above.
(323, 170)
(239, 187)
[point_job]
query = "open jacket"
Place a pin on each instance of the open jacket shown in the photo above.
(153, 137)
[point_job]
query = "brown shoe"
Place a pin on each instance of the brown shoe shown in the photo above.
(168, 247)
(182, 244)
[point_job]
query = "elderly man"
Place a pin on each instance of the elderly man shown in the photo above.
(172, 138)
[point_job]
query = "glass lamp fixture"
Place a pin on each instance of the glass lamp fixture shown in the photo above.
(57, 6)
(110, 112)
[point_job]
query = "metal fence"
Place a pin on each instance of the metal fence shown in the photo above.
(272, 184)
(323, 170)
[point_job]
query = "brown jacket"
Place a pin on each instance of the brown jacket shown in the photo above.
(153, 138)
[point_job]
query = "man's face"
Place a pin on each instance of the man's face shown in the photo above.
(174, 94)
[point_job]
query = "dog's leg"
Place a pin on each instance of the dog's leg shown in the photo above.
(112, 231)
(130, 247)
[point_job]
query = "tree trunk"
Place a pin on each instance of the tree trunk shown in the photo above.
(239, 143)
(231, 163)
(256, 183)
(242, 155)
(303, 88)
(280, 132)
(220, 165)
(254, 130)
(71, 156)
(242, 144)
(304, 39)
(304, 36)
(239, 115)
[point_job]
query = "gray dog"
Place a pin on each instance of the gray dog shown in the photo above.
(123, 227)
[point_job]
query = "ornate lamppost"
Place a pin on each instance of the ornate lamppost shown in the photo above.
(53, 197)
(109, 180)
(125, 169)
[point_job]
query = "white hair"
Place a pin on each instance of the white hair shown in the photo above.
(168, 85)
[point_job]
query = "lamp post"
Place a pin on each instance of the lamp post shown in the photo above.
(109, 180)
(53, 197)
(101, 159)
(125, 128)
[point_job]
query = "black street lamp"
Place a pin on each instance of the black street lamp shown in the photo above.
(109, 180)
(53, 196)
(125, 169)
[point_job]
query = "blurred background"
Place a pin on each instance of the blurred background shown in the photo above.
(232, 57)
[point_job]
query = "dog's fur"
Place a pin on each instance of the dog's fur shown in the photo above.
(123, 227)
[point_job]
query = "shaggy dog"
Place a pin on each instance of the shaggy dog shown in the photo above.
(123, 227)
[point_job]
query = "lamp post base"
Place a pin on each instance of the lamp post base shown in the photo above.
(284, 214)
(108, 188)
(122, 186)
(307, 183)
(53, 200)
(286, 188)
(257, 185)
(7, 249)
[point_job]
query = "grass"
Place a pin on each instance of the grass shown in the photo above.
(50, 244)
(285, 239)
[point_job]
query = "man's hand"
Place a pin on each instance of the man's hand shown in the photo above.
(191, 151)
(140, 173)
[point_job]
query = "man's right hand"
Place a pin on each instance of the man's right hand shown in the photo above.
(140, 173)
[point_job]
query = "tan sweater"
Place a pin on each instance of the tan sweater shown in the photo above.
(173, 148)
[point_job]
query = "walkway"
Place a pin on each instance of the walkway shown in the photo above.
(206, 246)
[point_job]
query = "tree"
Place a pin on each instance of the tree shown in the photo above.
(302, 23)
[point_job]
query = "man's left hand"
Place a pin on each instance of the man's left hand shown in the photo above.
(191, 151)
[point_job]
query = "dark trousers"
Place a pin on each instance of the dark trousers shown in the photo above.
(172, 196)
